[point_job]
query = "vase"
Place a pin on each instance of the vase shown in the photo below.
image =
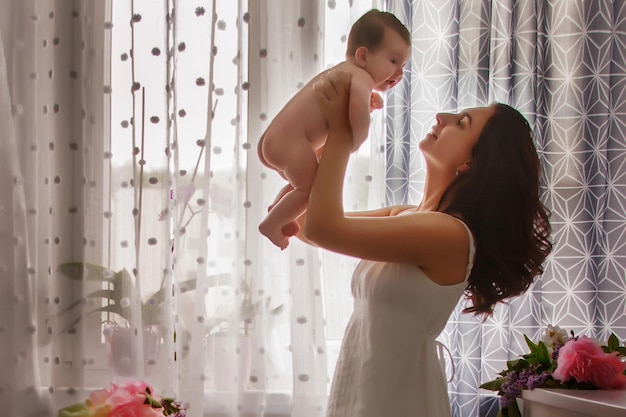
(229, 361)
(122, 347)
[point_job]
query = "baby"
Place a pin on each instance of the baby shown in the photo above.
(378, 48)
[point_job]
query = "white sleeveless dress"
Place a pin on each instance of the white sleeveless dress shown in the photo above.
(388, 364)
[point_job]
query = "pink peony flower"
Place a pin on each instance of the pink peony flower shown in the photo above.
(133, 398)
(98, 398)
(585, 361)
(131, 391)
(126, 400)
(97, 403)
(136, 410)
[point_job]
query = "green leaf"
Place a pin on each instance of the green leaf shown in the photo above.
(159, 296)
(551, 383)
(103, 293)
(74, 410)
(85, 271)
(613, 343)
(513, 410)
(71, 325)
(123, 285)
(110, 308)
(169, 406)
(543, 356)
(277, 310)
(115, 309)
(531, 345)
(494, 385)
(185, 340)
(517, 365)
(66, 309)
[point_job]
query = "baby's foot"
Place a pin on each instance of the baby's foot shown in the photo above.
(290, 229)
(276, 236)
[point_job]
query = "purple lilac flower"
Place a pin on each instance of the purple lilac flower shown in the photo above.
(511, 389)
(555, 352)
(537, 380)
(531, 378)
(516, 382)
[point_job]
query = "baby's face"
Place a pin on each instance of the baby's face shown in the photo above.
(386, 63)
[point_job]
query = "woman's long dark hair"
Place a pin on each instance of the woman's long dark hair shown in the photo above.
(498, 198)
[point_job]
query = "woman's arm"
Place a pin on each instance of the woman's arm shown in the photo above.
(397, 235)
(381, 212)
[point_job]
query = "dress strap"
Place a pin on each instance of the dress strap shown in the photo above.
(441, 350)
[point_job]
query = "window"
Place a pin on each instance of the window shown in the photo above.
(148, 124)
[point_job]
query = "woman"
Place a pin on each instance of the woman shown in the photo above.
(480, 231)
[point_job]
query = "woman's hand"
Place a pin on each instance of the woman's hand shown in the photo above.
(332, 90)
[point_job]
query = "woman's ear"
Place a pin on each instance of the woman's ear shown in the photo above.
(360, 56)
(464, 167)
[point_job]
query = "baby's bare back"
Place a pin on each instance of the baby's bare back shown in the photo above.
(299, 120)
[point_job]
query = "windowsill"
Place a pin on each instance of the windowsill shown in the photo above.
(217, 403)
(274, 404)
(579, 403)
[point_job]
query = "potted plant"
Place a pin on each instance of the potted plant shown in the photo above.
(232, 317)
(238, 312)
(227, 328)
(114, 296)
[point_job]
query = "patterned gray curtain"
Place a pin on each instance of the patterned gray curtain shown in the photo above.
(563, 64)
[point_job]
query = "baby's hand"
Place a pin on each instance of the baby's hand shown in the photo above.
(376, 102)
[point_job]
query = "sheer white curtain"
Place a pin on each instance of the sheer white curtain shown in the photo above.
(131, 194)
(16, 298)
(51, 80)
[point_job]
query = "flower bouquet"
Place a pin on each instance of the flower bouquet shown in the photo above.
(560, 361)
(132, 399)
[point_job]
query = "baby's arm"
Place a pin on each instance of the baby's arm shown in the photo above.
(359, 111)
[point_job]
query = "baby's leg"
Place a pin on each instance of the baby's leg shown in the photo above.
(290, 229)
(300, 172)
(280, 195)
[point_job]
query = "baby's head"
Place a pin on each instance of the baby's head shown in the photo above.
(368, 31)
(378, 38)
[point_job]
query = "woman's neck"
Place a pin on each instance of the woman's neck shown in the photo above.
(434, 188)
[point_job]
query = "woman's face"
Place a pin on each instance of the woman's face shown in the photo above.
(449, 144)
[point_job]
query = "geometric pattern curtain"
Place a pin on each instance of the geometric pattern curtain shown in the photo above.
(563, 65)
